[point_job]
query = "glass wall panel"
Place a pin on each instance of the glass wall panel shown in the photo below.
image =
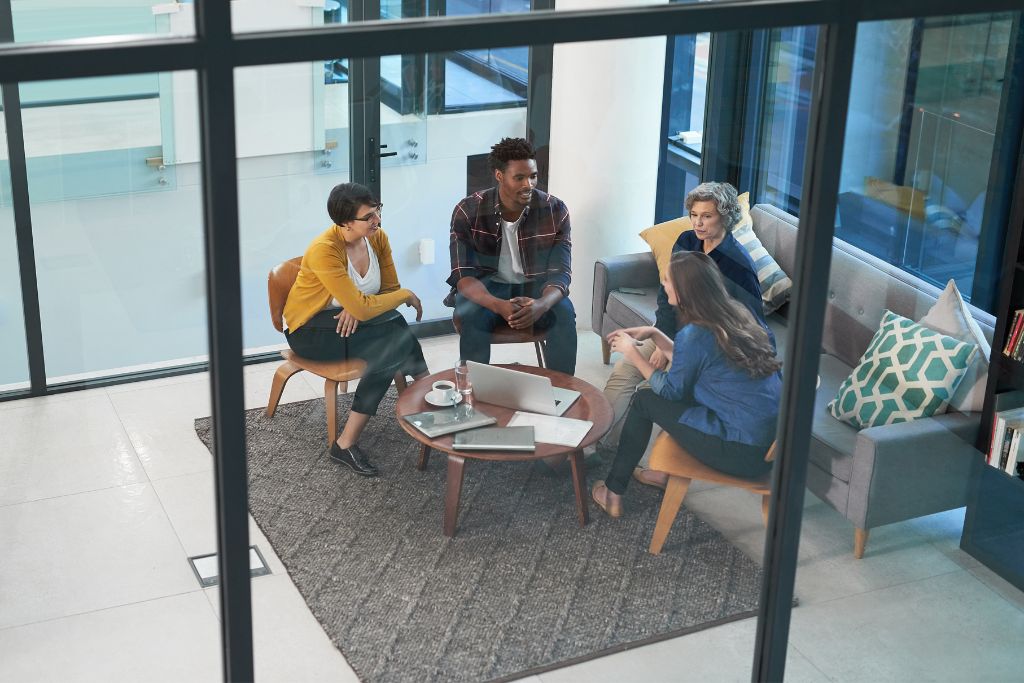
(916, 197)
(292, 136)
(933, 132)
(45, 20)
(13, 352)
(114, 188)
(106, 493)
(894, 464)
(441, 158)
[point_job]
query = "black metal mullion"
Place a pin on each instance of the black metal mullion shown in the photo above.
(823, 160)
(224, 320)
(364, 97)
(23, 220)
(540, 64)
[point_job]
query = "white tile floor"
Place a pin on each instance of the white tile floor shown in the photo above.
(105, 493)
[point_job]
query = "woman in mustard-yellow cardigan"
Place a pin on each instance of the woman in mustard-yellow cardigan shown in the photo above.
(342, 305)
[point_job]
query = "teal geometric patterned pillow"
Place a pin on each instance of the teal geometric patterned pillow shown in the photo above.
(907, 372)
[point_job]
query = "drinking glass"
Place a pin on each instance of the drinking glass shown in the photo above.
(462, 380)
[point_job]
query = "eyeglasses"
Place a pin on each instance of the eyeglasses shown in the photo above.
(369, 217)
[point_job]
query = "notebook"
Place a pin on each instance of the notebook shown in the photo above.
(436, 423)
(564, 431)
(495, 439)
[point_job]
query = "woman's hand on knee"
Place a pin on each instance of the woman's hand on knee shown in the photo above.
(347, 324)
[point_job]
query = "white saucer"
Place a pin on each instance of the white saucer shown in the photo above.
(433, 400)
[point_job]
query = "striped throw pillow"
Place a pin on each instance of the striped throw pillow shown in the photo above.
(775, 284)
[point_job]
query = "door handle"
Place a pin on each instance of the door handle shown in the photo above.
(387, 154)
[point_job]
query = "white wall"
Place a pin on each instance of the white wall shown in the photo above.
(605, 125)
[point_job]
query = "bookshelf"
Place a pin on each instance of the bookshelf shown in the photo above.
(994, 524)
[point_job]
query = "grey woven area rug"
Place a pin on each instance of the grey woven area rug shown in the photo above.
(519, 589)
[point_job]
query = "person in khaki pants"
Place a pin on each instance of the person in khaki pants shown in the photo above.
(714, 211)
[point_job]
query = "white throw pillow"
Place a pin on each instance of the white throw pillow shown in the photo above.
(951, 317)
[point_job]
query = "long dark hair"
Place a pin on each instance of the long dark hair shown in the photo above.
(703, 300)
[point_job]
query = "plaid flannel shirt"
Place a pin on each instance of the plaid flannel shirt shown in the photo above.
(544, 241)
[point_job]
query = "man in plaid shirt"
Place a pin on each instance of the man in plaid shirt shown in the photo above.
(512, 260)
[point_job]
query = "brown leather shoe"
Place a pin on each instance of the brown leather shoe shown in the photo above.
(601, 496)
(650, 477)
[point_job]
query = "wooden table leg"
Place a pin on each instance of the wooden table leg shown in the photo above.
(453, 489)
(579, 482)
(421, 464)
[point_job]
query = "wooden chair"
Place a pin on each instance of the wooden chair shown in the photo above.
(682, 468)
(503, 334)
(336, 374)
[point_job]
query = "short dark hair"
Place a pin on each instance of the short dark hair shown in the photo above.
(510, 149)
(345, 200)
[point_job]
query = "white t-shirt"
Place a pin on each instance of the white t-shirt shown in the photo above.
(367, 284)
(510, 261)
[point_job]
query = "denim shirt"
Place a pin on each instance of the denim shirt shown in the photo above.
(725, 401)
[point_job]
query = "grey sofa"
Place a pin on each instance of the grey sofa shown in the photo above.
(874, 476)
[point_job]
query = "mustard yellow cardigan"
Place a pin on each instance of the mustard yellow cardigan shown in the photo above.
(324, 275)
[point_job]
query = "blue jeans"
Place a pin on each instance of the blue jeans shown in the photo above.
(478, 323)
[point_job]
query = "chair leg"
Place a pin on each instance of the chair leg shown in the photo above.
(539, 348)
(670, 504)
(860, 540)
(284, 372)
(606, 351)
(331, 407)
(765, 502)
(400, 383)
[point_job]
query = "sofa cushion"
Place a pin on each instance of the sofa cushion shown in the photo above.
(951, 317)
(907, 372)
(631, 310)
(832, 441)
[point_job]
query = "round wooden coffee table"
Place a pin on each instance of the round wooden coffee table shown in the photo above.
(591, 405)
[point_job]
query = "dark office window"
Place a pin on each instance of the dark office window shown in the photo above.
(483, 79)
(686, 73)
(920, 140)
(787, 105)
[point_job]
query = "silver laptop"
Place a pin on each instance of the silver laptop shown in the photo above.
(519, 390)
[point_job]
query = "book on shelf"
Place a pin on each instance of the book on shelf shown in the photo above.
(1018, 347)
(1014, 331)
(1012, 456)
(1011, 434)
(1008, 413)
(1014, 337)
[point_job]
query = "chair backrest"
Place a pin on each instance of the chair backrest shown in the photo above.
(279, 283)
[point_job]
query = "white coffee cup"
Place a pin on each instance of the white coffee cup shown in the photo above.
(444, 391)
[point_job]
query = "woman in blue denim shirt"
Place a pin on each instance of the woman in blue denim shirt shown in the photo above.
(720, 398)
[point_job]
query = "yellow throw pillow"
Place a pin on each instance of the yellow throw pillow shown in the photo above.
(662, 236)
(907, 199)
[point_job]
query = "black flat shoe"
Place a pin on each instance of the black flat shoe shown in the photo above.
(354, 459)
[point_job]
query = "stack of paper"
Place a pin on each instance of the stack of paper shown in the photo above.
(563, 431)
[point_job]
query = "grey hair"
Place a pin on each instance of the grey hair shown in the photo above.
(725, 198)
